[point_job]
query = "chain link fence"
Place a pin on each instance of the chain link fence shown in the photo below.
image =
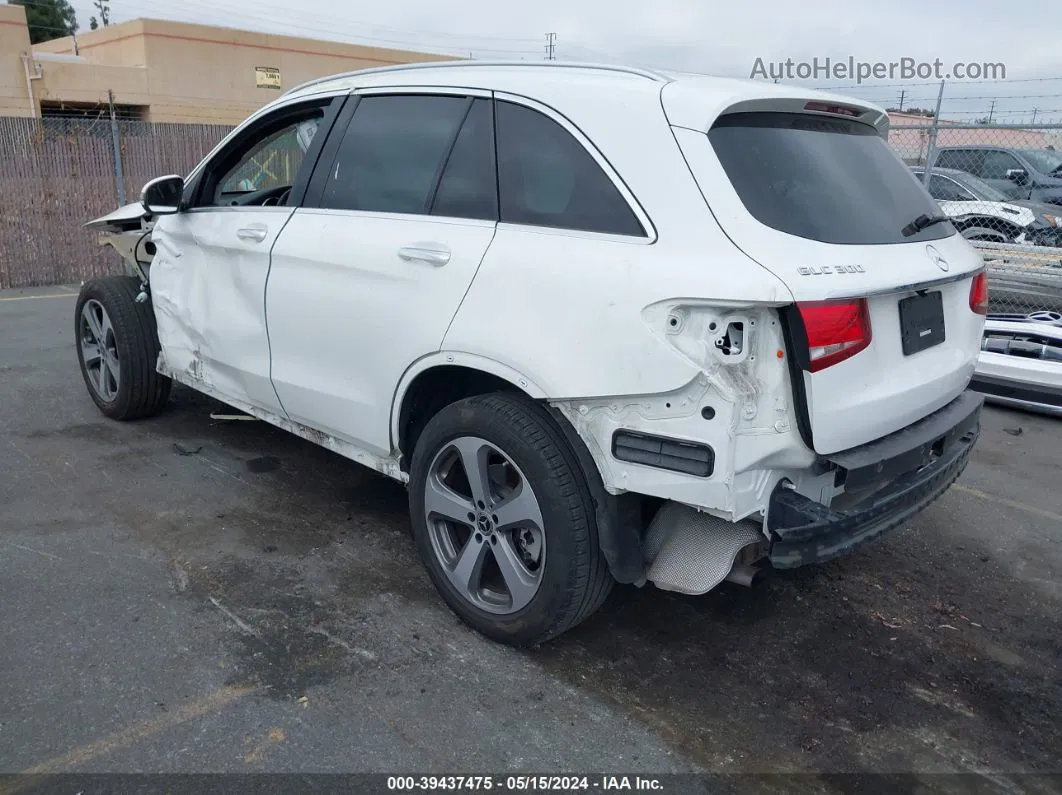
(59, 173)
(1000, 185)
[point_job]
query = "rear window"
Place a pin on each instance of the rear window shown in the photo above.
(835, 181)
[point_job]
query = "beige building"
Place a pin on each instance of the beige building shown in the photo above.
(167, 71)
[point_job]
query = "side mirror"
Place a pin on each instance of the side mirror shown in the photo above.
(162, 196)
(1018, 175)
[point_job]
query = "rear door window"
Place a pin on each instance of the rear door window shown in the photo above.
(834, 181)
(469, 186)
(393, 153)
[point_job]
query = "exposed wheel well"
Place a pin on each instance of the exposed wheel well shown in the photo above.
(620, 519)
(433, 390)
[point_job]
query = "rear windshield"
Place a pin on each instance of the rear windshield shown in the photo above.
(835, 181)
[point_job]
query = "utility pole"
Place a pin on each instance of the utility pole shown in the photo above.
(551, 39)
(991, 110)
(902, 95)
(1035, 111)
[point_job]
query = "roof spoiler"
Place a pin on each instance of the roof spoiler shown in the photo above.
(822, 105)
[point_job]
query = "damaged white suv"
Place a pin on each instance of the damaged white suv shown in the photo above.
(607, 324)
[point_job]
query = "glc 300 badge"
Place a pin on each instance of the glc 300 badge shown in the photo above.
(827, 270)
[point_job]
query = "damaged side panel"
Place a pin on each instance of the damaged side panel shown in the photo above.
(388, 466)
(208, 281)
(738, 405)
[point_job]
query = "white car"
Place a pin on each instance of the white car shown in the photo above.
(1021, 362)
(607, 324)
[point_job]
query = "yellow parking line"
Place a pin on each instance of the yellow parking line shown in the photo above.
(38, 297)
(1021, 506)
(126, 737)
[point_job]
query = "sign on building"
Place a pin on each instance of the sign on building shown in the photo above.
(267, 77)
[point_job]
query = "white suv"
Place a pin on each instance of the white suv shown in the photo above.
(606, 324)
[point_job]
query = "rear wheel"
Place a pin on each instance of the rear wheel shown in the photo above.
(118, 346)
(504, 521)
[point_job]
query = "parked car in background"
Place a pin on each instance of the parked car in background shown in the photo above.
(1034, 174)
(1021, 362)
(981, 212)
(606, 324)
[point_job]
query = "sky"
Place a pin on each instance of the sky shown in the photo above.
(704, 36)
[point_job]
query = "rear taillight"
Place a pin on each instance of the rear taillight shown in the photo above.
(979, 294)
(836, 330)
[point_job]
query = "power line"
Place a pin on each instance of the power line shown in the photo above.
(332, 28)
(937, 83)
(285, 8)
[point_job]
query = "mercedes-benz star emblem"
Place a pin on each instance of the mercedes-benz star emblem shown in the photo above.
(937, 258)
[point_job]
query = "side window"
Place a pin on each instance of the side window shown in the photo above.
(261, 169)
(997, 164)
(961, 160)
(393, 152)
(469, 187)
(947, 190)
(547, 178)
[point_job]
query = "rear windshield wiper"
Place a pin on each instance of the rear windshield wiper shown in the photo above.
(923, 222)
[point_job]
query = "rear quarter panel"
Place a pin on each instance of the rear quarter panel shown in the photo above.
(566, 307)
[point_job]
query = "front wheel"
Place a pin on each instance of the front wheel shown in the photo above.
(504, 521)
(118, 347)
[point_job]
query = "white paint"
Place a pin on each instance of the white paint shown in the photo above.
(1020, 370)
(208, 290)
(616, 332)
(348, 315)
(1003, 211)
(385, 465)
(879, 390)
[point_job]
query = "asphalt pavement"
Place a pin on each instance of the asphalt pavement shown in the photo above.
(189, 595)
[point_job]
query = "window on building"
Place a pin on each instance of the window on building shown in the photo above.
(91, 111)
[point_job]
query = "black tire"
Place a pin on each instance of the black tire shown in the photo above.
(141, 391)
(575, 579)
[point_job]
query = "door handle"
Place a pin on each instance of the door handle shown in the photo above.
(255, 233)
(430, 253)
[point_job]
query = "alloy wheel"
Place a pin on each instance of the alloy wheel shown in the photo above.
(485, 525)
(99, 350)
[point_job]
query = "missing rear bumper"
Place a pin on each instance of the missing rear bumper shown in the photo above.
(934, 453)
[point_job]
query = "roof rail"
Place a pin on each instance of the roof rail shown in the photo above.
(631, 70)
